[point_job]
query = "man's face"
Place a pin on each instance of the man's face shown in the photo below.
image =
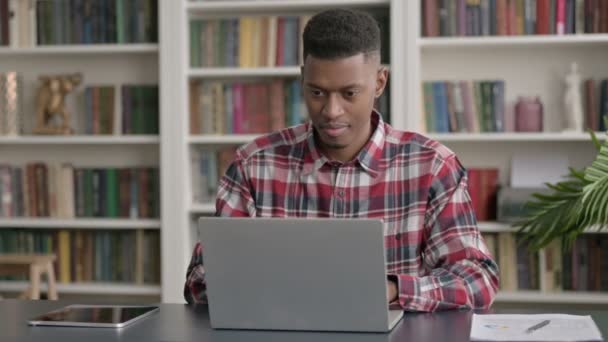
(339, 96)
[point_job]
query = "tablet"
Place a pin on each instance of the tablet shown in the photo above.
(95, 316)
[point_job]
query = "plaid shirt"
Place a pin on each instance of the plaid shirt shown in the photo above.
(416, 185)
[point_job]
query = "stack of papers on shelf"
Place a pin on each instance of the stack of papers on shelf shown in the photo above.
(518, 328)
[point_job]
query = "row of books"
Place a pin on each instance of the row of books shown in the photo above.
(139, 109)
(62, 191)
(519, 267)
(596, 103)
(219, 107)
(11, 99)
(126, 256)
(258, 41)
(448, 18)
(246, 42)
(25, 23)
(583, 267)
(208, 166)
(464, 106)
(483, 189)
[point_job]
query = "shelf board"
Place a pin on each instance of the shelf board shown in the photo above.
(79, 223)
(539, 41)
(207, 7)
(495, 227)
(87, 288)
(80, 140)
(221, 72)
(508, 137)
(202, 208)
(228, 139)
(81, 49)
(566, 297)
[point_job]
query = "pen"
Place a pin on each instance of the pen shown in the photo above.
(537, 326)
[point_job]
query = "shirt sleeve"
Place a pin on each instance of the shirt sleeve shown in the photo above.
(233, 199)
(460, 272)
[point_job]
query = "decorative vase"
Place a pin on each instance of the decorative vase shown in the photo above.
(528, 114)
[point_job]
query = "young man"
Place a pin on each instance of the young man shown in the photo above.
(347, 163)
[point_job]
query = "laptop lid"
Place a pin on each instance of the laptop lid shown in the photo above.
(296, 274)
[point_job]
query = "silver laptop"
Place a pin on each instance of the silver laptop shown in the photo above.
(296, 274)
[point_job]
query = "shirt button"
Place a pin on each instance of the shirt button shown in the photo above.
(341, 193)
(398, 236)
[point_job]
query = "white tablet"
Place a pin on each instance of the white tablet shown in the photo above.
(95, 316)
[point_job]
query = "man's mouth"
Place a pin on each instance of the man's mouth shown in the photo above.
(334, 130)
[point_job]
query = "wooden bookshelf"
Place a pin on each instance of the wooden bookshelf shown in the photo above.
(100, 64)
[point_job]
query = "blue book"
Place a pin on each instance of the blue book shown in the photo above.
(440, 99)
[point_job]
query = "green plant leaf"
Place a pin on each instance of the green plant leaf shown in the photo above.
(573, 205)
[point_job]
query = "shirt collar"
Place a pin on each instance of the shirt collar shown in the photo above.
(369, 157)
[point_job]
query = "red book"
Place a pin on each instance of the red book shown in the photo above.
(591, 106)
(542, 16)
(474, 192)
(280, 41)
(277, 105)
(560, 17)
(501, 17)
(431, 24)
(483, 189)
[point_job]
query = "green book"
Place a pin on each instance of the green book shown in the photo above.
(195, 43)
(120, 22)
(429, 107)
(112, 193)
(88, 193)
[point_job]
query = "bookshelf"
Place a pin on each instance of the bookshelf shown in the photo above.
(113, 64)
(530, 65)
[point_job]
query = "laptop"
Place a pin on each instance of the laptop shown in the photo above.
(301, 274)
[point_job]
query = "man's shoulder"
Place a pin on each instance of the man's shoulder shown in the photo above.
(412, 143)
(279, 143)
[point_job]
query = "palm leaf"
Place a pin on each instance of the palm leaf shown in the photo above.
(575, 204)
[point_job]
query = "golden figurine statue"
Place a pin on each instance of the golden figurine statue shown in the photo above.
(50, 103)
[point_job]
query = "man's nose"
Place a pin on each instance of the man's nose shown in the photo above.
(333, 108)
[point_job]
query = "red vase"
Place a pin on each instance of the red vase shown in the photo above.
(528, 114)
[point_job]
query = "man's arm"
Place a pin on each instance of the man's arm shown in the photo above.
(461, 272)
(233, 199)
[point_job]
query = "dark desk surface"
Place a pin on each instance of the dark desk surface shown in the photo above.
(177, 322)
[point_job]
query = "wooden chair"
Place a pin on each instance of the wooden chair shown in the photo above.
(36, 265)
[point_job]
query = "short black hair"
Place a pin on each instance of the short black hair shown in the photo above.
(341, 33)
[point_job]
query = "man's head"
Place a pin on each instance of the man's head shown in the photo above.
(342, 77)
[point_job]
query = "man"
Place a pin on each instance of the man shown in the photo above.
(347, 163)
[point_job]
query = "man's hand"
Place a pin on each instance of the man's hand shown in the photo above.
(391, 290)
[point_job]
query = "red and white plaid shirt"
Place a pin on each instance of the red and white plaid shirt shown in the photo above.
(415, 184)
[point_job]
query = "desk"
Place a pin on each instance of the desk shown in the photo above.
(177, 322)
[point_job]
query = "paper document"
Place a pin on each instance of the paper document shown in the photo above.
(545, 327)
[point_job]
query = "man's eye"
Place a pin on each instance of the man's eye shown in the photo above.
(316, 92)
(350, 93)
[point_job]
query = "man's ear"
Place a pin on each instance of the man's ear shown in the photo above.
(381, 80)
